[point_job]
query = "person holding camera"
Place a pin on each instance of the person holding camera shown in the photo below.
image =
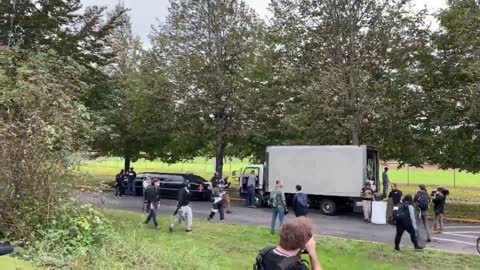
(296, 237)
(439, 198)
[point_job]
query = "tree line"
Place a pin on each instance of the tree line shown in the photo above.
(220, 81)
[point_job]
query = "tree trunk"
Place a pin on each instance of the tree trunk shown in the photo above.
(219, 155)
(355, 139)
(127, 163)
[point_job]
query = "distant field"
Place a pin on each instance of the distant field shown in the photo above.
(205, 167)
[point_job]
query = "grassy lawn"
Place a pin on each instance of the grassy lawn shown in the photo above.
(225, 246)
(10, 263)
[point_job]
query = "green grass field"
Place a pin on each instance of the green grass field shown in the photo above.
(224, 246)
(202, 166)
(214, 246)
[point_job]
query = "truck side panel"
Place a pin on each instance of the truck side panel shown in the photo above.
(320, 170)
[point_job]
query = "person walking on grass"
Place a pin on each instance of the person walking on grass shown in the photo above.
(131, 175)
(439, 208)
(119, 187)
(367, 198)
(300, 202)
(183, 211)
(404, 216)
(278, 204)
(217, 204)
(153, 201)
(251, 183)
(385, 182)
(422, 199)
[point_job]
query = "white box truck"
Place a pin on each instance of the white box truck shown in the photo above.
(331, 175)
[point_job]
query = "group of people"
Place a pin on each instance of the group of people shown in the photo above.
(125, 180)
(182, 213)
(403, 210)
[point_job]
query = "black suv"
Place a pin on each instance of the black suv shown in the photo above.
(171, 183)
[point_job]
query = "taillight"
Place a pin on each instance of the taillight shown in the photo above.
(200, 188)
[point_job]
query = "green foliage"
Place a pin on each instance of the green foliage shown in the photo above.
(71, 232)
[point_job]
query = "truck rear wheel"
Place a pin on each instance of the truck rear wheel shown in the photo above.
(258, 200)
(328, 207)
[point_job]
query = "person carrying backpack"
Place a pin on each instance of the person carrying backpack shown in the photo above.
(404, 216)
(278, 204)
(300, 202)
(423, 200)
(295, 239)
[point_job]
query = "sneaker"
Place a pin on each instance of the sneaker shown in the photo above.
(229, 212)
(418, 249)
(209, 219)
(397, 249)
(429, 240)
(222, 221)
(188, 230)
(170, 228)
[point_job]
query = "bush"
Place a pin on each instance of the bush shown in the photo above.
(72, 232)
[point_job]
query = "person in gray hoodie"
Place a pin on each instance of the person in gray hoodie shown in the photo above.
(406, 222)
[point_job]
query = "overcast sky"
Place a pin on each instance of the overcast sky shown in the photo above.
(145, 12)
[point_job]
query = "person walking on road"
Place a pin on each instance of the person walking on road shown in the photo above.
(422, 199)
(153, 200)
(217, 204)
(367, 198)
(278, 204)
(386, 182)
(438, 208)
(131, 175)
(183, 211)
(251, 183)
(405, 221)
(300, 202)
(119, 187)
(223, 186)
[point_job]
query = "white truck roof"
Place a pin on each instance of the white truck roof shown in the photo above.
(320, 170)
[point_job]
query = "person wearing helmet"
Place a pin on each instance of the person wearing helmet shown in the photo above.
(367, 197)
(183, 211)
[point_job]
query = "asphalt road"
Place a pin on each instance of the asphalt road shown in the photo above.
(457, 237)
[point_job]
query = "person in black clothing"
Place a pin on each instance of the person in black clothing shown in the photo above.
(131, 175)
(300, 202)
(439, 209)
(153, 198)
(183, 211)
(295, 238)
(214, 180)
(406, 222)
(395, 195)
(120, 189)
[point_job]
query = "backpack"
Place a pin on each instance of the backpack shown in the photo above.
(423, 201)
(275, 199)
(151, 194)
(302, 200)
(401, 215)
(285, 264)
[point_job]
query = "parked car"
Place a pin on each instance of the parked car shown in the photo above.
(171, 183)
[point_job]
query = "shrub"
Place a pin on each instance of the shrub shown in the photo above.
(72, 231)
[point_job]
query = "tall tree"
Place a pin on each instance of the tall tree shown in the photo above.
(452, 87)
(135, 118)
(206, 46)
(352, 68)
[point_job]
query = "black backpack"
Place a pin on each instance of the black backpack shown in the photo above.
(402, 214)
(285, 264)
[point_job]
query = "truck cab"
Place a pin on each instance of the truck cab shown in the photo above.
(259, 171)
